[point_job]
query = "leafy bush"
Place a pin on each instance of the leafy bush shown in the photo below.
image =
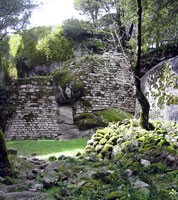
(75, 29)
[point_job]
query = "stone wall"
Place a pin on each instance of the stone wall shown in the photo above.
(107, 83)
(36, 109)
(37, 115)
(160, 85)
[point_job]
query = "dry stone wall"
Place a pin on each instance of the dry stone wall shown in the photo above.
(36, 109)
(107, 82)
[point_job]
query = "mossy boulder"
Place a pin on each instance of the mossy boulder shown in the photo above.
(113, 115)
(88, 120)
(101, 119)
(68, 86)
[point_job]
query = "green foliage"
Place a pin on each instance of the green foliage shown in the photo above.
(4, 61)
(173, 194)
(159, 24)
(24, 51)
(75, 30)
(58, 47)
(6, 74)
(15, 15)
(90, 8)
(38, 46)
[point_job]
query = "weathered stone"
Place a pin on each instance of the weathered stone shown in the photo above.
(31, 176)
(12, 151)
(146, 163)
(17, 195)
(128, 172)
(160, 86)
(140, 184)
(49, 182)
(53, 166)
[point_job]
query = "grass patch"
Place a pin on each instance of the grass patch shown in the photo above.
(48, 147)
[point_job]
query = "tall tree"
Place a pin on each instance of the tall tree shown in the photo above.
(145, 107)
(14, 15)
(89, 7)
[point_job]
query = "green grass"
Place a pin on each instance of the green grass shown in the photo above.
(46, 148)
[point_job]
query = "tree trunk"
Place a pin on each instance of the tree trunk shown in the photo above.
(5, 166)
(145, 106)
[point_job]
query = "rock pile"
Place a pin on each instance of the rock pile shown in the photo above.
(127, 142)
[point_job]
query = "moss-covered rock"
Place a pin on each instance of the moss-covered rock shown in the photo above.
(5, 166)
(129, 143)
(68, 85)
(113, 195)
(113, 115)
(88, 120)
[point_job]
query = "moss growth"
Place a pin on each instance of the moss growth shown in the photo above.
(171, 100)
(113, 115)
(113, 195)
(5, 166)
(52, 158)
(129, 143)
(90, 183)
(100, 118)
(26, 81)
(22, 164)
(66, 79)
(62, 77)
(88, 120)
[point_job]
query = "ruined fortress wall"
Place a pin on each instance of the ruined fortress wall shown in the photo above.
(107, 83)
(35, 110)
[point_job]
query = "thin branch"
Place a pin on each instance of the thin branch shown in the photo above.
(2, 37)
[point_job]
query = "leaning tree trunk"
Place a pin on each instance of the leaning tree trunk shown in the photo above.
(5, 166)
(145, 106)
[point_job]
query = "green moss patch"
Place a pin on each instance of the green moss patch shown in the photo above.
(66, 79)
(127, 142)
(88, 120)
(100, 118)
(113, 115)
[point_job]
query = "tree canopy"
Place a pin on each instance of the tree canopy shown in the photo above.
(14, 15)
(159, 23)
(38, 46)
